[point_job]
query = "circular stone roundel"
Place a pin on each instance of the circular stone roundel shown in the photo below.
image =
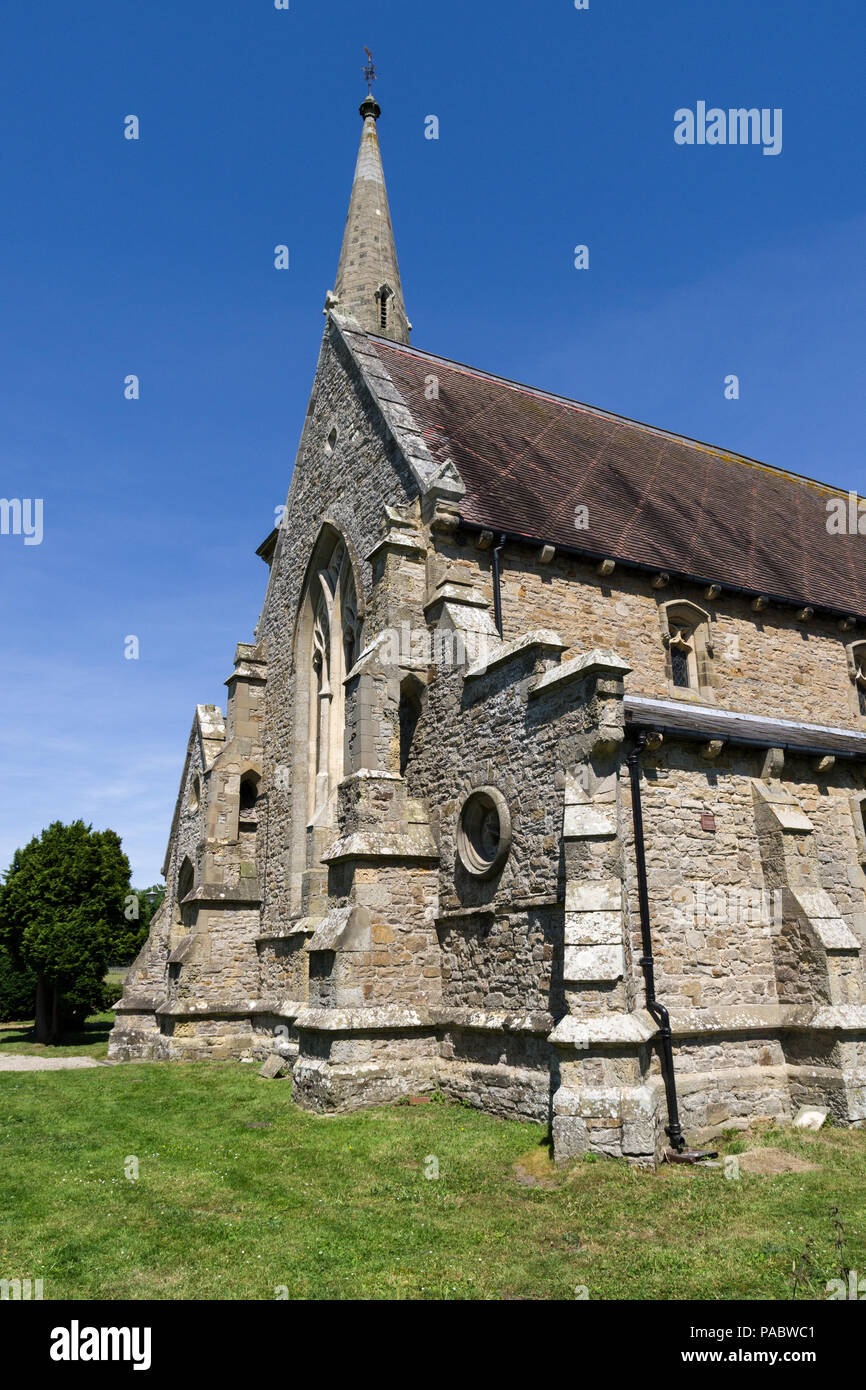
(484, 832)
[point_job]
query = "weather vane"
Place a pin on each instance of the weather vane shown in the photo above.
(369, 71)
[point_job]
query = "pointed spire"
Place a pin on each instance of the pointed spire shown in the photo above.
(368, 278)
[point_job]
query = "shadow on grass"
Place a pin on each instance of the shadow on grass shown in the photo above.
(21, 1037)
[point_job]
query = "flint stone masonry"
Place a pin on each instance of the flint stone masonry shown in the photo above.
(318, 915)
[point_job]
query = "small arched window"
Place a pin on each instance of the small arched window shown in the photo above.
(383, 294)
(249, 792)
(682, 649)
(409, 714)
(185, 885)
(856, 652)
(687, 637)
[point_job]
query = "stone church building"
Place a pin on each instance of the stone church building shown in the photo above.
(542, 783)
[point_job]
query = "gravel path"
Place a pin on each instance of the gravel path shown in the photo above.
(24, 1063)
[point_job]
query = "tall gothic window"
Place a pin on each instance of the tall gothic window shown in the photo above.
(333, 651)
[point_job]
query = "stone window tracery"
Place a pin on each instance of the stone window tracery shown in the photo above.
(683, 656)
(687, 637)
(334, 643)
(484, 832)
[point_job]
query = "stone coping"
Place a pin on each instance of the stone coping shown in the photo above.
(302, 926)
(769, 1018)
(483, 1021)
(544, 638)
(206, 1008)
(385, 1018)
(280, 1008)
(461, 594)
(383, 845)
(407, 541)
(613, 1030)
(572, 1031)
(638, 1027)
(183, 950)
(245, 894)
(135, 1004)
(242, 1008)
(598, 662)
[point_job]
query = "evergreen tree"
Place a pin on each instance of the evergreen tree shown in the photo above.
(61, 903)
(17, 989)
(131, 933)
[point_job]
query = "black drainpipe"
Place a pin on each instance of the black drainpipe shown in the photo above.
(657, 1010)
(497, 594)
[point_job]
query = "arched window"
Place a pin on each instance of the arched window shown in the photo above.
(326, 645)
(334, 632)
(383, 294)
(249, 792)
(687, 637)
(856, 653)
(185, 885)
(683, 663)
(409, 714)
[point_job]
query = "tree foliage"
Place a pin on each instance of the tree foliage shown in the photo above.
(17, 988)
(61, 904)
(131, 934)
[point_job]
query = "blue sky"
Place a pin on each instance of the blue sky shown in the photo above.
(155, 257)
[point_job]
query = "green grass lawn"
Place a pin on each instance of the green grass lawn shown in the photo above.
(239, 1192)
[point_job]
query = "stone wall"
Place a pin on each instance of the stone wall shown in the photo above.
(764, 662)
(349, 482)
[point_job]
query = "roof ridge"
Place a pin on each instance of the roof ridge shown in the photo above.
(729, 455)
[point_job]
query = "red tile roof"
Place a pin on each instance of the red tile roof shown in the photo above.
(529, 458)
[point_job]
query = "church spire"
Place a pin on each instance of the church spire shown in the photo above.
(368, 278)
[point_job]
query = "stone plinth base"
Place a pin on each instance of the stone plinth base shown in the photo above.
(357, 1057)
